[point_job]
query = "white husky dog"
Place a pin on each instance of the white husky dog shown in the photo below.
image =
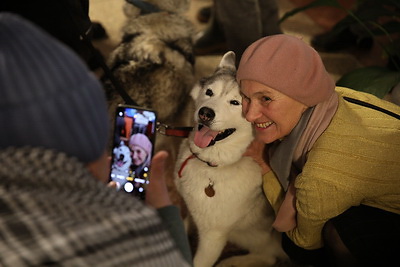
(121, 164)
(221, 188)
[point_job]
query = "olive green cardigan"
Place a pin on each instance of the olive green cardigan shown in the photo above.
(355, 161)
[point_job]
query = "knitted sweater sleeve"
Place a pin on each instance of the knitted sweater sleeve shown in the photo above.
(314, 206)
(171, 218)
(355, 161)
(317, 201)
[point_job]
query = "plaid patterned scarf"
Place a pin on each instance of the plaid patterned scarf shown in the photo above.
(53, 212)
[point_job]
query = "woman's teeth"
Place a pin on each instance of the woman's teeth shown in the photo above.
(264, 124)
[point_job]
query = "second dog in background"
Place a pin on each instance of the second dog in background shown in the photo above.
(154, 61)
(221, 188)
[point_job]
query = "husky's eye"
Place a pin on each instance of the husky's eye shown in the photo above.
(235, 102)
(209, 92)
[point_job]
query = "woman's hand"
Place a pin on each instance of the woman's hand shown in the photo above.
(257, 151)
(157, 194)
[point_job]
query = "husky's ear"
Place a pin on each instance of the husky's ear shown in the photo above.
(228, 61)
(194, 93)
(130, 10)
(197, 88)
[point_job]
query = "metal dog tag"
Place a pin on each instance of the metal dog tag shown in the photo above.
(209, 190)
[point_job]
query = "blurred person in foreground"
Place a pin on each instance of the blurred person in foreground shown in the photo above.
(55, 206)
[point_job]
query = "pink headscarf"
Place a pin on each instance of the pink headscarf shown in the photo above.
(288, 65)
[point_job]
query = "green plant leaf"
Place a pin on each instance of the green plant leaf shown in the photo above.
(389, 28)
(394, 3)
(374, 80)
(316, 3)
(374, 12)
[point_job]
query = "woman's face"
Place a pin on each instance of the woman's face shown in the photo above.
(138, 155)
(272, 113)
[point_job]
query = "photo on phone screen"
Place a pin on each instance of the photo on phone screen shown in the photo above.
(133, 147)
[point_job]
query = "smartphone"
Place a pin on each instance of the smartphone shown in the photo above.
(132, 148)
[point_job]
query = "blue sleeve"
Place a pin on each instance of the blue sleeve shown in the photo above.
(170, 216)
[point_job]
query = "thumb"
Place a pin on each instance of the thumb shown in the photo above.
(158, 165)
(157, 194)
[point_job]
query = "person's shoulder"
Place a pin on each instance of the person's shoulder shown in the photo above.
(360, 98)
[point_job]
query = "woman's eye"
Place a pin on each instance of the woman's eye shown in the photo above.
(209, 92)
(266, 99)
(234, 102)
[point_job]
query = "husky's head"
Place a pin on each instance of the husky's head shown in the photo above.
(221, 133)
(122, 158)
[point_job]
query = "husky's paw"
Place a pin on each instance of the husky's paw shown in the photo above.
(247, 261)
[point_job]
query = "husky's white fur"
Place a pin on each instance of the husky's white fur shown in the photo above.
(238, 211)
(121, 164)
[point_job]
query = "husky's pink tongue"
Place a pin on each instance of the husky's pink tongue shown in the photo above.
(203, 137)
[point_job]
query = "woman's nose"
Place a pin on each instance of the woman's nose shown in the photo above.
(251, 111)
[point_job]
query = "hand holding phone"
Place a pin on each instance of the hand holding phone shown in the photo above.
(157, 192)
(133, 147)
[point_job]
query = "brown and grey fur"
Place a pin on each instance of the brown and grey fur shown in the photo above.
(154, 61)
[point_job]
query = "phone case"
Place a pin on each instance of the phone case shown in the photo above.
(132, 148)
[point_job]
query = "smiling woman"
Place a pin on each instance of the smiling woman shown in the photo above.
(334, 163)
(273, 114)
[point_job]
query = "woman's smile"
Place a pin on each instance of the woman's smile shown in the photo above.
(263, 125)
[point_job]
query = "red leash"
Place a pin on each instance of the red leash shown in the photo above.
(173, 131)
(179, 132)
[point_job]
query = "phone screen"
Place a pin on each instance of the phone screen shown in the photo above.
(132, 149)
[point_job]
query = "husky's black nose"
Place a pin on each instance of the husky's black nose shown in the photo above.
(206, 114)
